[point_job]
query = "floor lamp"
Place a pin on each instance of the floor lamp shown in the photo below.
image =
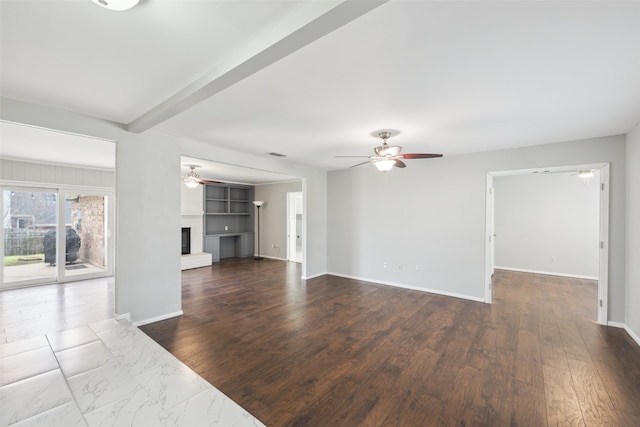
(258, 203)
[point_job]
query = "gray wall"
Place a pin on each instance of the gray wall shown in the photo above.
(273, 217)
(539, 217)
(433, 214)
(633, 233)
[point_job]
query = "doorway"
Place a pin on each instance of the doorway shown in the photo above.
(601, 258)
(294, 226)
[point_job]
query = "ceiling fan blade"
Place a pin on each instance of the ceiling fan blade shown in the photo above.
(419, 156)
(363, 163)
(400, 164)
(205, 181)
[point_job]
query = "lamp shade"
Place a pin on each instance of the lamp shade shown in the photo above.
(191, 183)
(385, 165)
(258, 203)
(117, 4)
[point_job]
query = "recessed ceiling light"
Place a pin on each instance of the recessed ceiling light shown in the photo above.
(117, 4)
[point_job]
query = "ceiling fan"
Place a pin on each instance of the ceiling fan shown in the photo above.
(387, 156)
(192, 179)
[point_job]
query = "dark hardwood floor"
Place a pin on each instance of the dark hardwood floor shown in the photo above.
(337, 352)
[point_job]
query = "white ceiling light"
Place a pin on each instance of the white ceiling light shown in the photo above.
(117, 4)
(191, 183)
(587, 173)
(385, 165)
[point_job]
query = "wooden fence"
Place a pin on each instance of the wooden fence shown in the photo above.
(20, 241)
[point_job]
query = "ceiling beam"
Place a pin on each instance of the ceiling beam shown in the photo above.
(241, 68)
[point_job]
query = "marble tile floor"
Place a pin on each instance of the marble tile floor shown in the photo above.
(106, 373)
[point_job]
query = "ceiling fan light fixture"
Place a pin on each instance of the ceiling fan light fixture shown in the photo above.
(118, 5)
(191, 183)
(385, 165)
(192, 179)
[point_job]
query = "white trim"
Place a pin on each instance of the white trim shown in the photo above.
(158, 318)
(63, 165)
(603, 263)
(413, 288)
(314, 276)
(632, 334)
(273, 257)
(616, 324)
(489, 259)
(125, 316)
(603, 252)
(28, 185)
(548, 273)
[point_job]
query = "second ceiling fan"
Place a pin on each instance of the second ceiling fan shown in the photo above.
(387, 156)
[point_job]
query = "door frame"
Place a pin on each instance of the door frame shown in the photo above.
(291, 208)
(60, 191)
(603, 255)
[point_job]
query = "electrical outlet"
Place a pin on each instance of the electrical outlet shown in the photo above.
(553, 259)
(399, 267)
(226, 228)
(417, 267)
(385, 265)
(274, 246)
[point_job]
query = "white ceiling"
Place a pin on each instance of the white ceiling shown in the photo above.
(315, 79)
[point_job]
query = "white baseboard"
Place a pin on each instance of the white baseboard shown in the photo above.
(413, 288)
(616, 324)
(125, 316)
(272, 257)
(158, 318)
(548, 273)
(313, 276)
(632, 334)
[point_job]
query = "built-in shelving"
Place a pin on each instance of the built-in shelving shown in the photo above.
(228, 220)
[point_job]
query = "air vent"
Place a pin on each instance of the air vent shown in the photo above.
(277, 154)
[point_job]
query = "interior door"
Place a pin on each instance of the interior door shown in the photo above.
(294, 226)
(489, 238)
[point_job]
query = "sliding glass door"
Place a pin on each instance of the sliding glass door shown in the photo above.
(55, 235)
(86, 234)
(29, 217)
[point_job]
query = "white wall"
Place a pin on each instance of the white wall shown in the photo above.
(633, 233)
(273, 217)
(192, 207)
(543, 216)
(32, 172)
(148, 280)
(433, 214)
